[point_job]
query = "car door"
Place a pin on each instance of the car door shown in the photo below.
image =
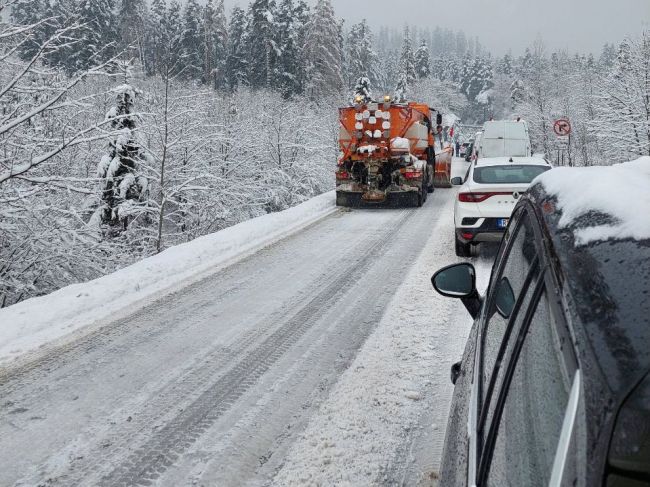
(529, 382)
(515, 260)
(531, 437)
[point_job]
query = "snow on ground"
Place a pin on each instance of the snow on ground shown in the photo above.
(621, 191)
(33, 323)
(364, 430)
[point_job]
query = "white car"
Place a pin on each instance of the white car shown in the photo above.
(487, 196)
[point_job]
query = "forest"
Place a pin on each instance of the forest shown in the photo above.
(128, 127)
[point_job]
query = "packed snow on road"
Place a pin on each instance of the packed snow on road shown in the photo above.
(272, 368)
(219, 223)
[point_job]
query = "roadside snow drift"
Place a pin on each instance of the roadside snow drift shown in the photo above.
(621, 191)
(37, 321)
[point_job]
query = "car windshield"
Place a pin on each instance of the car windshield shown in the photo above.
(510, 174)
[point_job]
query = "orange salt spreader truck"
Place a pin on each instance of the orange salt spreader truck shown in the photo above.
(388, 154)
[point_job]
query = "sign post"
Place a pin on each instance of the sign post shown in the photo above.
(562, 129)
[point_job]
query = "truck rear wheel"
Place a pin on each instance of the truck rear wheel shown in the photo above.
(430, 180)
(422, 193)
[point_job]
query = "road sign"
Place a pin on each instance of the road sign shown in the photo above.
(562, 127)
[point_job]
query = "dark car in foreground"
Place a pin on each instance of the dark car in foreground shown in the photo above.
(554, 385)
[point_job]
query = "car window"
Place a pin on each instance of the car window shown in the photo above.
(508, 283)
(510, 174)
(509, 342)
(533, 412)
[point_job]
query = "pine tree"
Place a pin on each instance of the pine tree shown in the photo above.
(323, 52)
(97, 38)
(156, 36)
(122, 185)
(261, 47)
(215, 31)
(363, 89)
(29, 12)
(505, 66)
(192, 41)
(132, 17)
(407, 59)
(608, 56)
(302, 17)
(423, 61)
(389, 72)
(401, 89)
(288, 77)
(361, 58)
(461, 43)
(237, 61)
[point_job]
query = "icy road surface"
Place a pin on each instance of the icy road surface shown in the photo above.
(323, 358)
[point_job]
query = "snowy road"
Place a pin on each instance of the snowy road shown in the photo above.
(230, 381)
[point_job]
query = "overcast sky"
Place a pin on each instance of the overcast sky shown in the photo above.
(503, 25)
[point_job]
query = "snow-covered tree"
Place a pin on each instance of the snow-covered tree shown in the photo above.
(289, 77)
(97, 37)
(323, 52)
(262, 50)
(423, 61)
(624, 111)
(215, 30)
(30, 12)
(407, 58)
(388, 72)
(237, 59)
(361, 58)
(123, 187)
(363, 89)
(192, 43)
(461, 43)
(156, 36)
(132, 17)
(401, 90)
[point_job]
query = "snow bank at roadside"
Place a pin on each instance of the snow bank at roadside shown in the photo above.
(621, 191)
(362, 433)
(37, 321)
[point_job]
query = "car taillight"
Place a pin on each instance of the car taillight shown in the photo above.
(478, 197)
(342, 175)
(413, 174)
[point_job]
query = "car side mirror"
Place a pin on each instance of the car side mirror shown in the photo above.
(505, 298)
(455, 372)
(456, 181)
(459, 281)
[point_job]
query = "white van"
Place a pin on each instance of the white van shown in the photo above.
(505, 138)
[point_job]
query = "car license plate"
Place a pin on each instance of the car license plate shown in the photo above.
(502, 222)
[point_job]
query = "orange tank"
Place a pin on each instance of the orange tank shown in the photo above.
(377, 124)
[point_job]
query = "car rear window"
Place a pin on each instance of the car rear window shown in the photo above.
(511, 174)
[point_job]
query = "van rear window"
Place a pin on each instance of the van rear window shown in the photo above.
(511, 174)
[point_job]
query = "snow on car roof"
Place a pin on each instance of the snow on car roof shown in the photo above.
(505, 161)
(621, 191)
